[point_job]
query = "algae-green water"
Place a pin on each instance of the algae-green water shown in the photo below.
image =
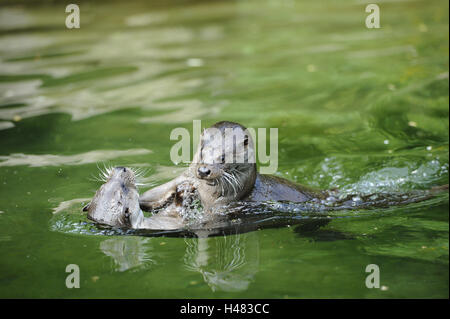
(364, 110)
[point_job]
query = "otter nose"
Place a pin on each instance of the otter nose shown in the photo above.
(203, 171)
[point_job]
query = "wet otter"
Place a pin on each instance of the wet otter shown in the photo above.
(223, 172)
(223, 177)
(116, 203)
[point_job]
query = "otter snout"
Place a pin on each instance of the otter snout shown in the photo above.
(203, 171)
(208, 172)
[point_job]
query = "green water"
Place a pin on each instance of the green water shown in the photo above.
(360, 109)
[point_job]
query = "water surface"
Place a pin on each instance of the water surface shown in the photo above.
(363, 110)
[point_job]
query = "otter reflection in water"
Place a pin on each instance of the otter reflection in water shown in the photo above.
(224, 180)
(128, 252)
(226, 263)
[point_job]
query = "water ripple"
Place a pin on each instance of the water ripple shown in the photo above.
(76, 159)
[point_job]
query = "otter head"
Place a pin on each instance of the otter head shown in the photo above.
(224, 164)
(116, 203)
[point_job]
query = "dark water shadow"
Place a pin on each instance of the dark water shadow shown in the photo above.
(312, 229)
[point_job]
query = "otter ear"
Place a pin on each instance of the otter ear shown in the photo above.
(86, 208)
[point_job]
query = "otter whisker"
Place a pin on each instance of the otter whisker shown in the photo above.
(139, 175)
(235, 182)
(230, 181)
(238, 171)
(140, 171)
(241, 174)
(234, 170)
(107, 169)
(223, 185)
(96, 178)
(220, 183)
(101, 174)
(238, 182)
(149, 184)
(104, 174)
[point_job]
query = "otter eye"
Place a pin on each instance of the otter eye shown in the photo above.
(223, 158)
(246, 141)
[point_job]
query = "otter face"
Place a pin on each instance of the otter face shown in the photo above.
(225, 161)
(116, 203)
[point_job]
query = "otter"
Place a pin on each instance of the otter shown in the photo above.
(223, 172)
(116, 203)
(224, 179)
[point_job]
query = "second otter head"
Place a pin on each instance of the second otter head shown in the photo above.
(224, 163)
(116, 202)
